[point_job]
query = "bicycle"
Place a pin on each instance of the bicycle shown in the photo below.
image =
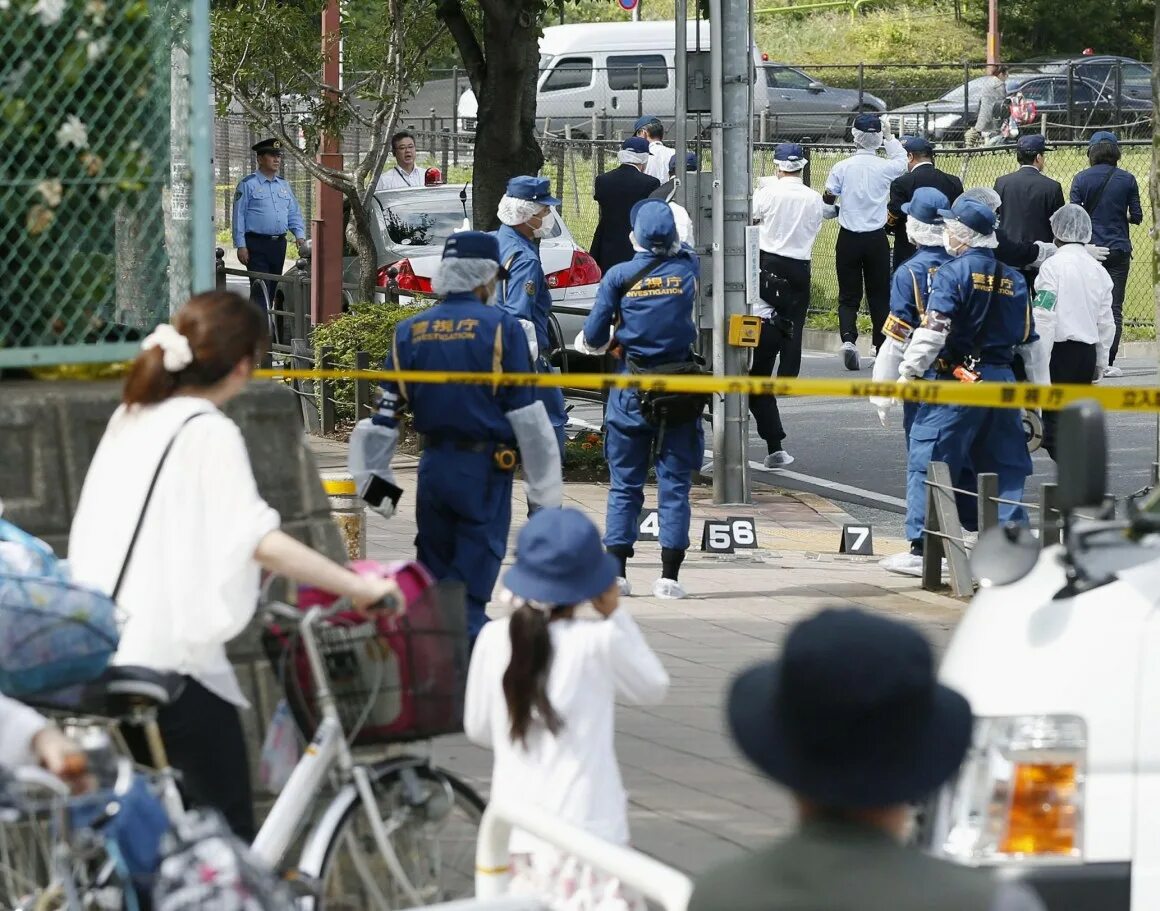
(397, 831)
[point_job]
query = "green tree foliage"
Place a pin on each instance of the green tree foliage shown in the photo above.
(1033, 28)
(267, 58)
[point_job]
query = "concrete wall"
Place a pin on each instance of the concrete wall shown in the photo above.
(49, 431)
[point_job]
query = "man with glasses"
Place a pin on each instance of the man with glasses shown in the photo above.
(405, 173)
(264, 210)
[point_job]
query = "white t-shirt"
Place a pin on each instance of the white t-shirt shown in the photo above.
(573, 774)
(192, 582)
(658, 160)
(684, 223)
(397, 179)
(18, 725)
(790, 214)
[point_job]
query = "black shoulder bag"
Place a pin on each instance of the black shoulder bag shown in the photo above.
(145, 506)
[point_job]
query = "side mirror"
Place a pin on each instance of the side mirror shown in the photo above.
(816, 87)
(1004, 555)
(1081, 457)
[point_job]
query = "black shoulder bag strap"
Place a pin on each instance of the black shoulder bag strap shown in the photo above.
(1091, 204)
(145, 505)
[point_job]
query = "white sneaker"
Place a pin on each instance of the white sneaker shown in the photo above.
(1113, 372)
(623, 586)
(668, 589)
(905, 564)
(779, 459)
(849, 354)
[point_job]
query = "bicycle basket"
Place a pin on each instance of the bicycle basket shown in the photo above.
(396, 679)
(52, 635)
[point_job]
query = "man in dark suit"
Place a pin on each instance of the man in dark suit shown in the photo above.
(617, 192)
(921, 172)
(1029, 198)
(853, 722)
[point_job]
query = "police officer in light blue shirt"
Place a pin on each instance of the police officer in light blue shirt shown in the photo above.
(978, 316)
(650, 300)
(470, 433)
(264, 210)
(527, 216)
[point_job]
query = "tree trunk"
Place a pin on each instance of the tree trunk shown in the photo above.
(364, 242)
(505, 141)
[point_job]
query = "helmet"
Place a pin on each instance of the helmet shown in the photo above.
(433, 177)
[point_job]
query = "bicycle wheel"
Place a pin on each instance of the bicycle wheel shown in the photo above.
(25, 860)
(432, 821)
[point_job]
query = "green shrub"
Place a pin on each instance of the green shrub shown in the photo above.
(366, 327)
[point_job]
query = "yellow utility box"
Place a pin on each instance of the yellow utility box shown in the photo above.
(744, 331)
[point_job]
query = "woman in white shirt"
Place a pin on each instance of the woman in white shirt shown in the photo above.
(189, 583)
(541, 693)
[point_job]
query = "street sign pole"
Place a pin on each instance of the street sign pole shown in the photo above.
(732, 66)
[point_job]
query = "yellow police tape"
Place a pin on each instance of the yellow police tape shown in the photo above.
(980, 395)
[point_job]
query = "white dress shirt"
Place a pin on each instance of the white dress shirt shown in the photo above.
(192, 582)
(790, 214)
(572, 774)
(684, 223)
(398, 179)
(658, 160)
(863, 183)
(1073, 302)
(18, 725)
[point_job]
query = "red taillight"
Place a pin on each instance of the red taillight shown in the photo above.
(583, 271)
(405, 278)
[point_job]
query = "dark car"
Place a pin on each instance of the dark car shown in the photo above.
(800, 106)
(1125, 75)
(1076, 100)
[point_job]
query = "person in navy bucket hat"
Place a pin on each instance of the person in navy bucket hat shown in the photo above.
(542, 692)
(615, 193)
(851, 719)
(1029, 197)
(972, 213)
(661, 157)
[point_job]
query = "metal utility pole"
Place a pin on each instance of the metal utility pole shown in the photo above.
(732, 67)
(681, 108)
(992, 31)
(326, 259)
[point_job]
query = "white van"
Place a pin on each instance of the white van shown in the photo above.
(616, 71)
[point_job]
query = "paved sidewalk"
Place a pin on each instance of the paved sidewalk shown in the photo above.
(693, 799)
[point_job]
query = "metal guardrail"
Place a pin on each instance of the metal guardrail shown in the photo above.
(657, 882)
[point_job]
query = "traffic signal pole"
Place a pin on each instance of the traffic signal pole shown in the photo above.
(732, 67)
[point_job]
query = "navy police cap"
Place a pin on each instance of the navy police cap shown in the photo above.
(636, 144)
(691, 163)
(270, 146)
(975, 215)
(471, 245)
(534, 189)
(1032, 143)
(868, 123)
(925, 205)
(917, 145)
(646, 121)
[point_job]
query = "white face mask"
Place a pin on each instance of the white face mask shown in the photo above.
(949, 245)
(547, 225)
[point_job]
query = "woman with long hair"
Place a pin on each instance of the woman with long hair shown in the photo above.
(541, 693)
(171, 524)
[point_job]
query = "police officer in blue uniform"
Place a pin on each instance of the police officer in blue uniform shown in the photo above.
(649, 300)
(470, 433)
(264, 210)
(909, 290)
(527, 216)
(978, 316)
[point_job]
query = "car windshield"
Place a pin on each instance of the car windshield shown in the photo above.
(956, 94)
(422, 223)
(1099, 71)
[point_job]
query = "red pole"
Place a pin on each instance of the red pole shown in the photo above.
(993, 31)
(326, 261)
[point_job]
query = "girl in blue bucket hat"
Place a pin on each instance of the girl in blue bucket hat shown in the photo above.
(541, 693)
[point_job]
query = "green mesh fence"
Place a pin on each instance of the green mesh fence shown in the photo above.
(95, 213)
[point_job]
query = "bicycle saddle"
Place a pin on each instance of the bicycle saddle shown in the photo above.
(125, 682)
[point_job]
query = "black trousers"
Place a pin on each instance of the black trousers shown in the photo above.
(780, 344)
(863, 260)
(204, 742)
(903, 250)
(1117, 265)
(267, 254)
(1071, 362)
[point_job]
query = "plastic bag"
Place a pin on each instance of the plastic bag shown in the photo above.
(21, 554)
(280, 750)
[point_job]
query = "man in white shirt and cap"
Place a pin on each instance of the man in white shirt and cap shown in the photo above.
(1072, 309)
(790, 215)
(650, 128)
(405, 173)
(862, 183)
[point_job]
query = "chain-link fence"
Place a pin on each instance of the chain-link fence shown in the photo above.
(95, 208)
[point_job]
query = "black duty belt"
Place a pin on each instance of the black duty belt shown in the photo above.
(428, 441)
(268, 236)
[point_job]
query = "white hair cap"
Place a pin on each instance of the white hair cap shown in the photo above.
(627, 156)
(923, 235)
(514, 211)
(962, 234)
(458, 276)
(868, 141)
(985, 195)
(1071, 224)
(791, 167)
